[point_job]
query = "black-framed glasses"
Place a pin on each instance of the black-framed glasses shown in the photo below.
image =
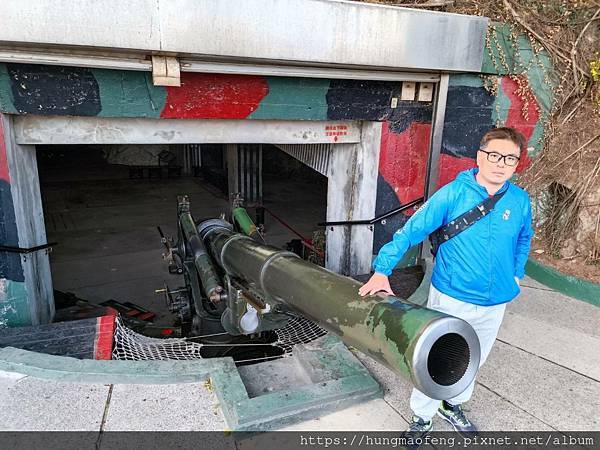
(494, 157)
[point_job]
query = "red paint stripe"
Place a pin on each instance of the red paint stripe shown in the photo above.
(451, 166)
(403, 160)
(105, 330)
(4, 175)
(214, 96)
(515, 117)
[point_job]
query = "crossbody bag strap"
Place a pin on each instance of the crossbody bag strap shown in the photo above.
(462, 222)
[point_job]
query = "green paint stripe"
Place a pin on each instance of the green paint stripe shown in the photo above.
(499, 37)
(501, 106)
(565, 284)
(409, 259)
(536, 141)
(526, 52)
(467, 79)
(421, 295)
(294, 99)
(14, 306)
(7, 104)
(129, 94)
(543, 92)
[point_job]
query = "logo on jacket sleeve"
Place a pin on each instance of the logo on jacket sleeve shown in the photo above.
(506, 214)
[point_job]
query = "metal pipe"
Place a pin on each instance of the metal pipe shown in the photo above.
(438, 353)
(375, 219)
(243, 220)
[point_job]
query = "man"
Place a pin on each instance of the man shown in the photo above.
(477, 271)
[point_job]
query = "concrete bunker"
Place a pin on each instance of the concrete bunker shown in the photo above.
(326, 83)
(109, 196)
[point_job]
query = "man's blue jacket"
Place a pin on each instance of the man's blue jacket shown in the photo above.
(478, 265)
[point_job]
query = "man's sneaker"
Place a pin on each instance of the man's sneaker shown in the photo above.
(455, 415)
(418, 428)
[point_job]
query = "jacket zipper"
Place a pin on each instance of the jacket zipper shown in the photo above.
(490, 256)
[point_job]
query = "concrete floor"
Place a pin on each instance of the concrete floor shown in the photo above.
(543, 374)
(105, 226)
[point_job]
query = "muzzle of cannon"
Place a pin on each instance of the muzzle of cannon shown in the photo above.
(437, 352)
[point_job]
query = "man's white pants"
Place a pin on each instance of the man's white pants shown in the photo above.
(485, 320)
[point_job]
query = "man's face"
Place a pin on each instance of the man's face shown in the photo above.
(497, 172)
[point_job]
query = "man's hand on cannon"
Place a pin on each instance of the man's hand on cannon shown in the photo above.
(377, 283)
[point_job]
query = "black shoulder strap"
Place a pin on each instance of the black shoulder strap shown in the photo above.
(462, 222)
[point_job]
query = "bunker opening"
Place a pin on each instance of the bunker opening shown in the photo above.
(112, 208)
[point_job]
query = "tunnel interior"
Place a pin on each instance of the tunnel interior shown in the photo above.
(102, 205)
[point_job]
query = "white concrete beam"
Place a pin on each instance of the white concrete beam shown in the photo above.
(333, 32)
(111, 24)
(32, 130)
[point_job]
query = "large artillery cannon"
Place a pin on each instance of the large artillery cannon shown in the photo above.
(237, 283)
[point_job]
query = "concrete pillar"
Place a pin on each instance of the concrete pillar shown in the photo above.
(351, 195)
(26, 294)
(231, 156)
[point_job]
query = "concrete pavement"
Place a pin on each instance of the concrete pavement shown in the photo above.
(543, 374)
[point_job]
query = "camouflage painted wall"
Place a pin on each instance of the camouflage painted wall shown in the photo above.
(471, 110)
(54, 90)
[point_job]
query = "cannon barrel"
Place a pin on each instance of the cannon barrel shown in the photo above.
(437, 352)
(204, 267)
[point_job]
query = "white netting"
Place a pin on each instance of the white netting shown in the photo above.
(299, 330)
(129, 345)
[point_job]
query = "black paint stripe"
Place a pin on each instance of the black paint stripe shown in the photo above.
(54, 90)
(10, 263)
(468, 116)
(386, 201)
